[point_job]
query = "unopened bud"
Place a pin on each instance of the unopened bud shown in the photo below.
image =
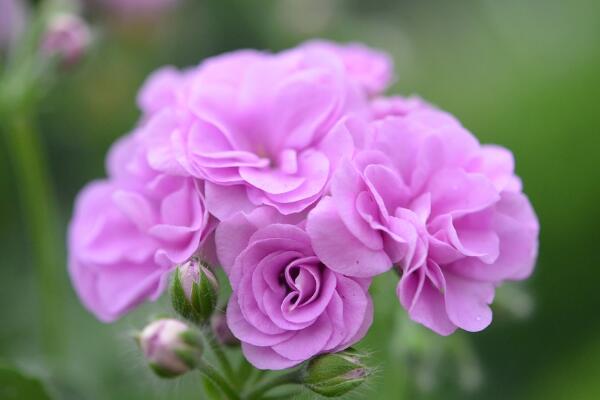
(194, 291)
(332, 375)
(170, 347)
(67, 37)
(221, 330)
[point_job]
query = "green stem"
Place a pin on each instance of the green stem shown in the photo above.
(290, 378)
(219, 354)
(218, 380)
(284, 396)
(260, 375)
(39, 209)
(244, 373)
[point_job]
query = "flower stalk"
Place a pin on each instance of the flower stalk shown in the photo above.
(212, 374)
(220, 355)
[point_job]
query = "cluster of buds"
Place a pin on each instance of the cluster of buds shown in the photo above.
(194, 291)
(170, 347)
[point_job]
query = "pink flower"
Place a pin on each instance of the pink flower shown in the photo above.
(261, 129)
(372, 69)
(448, 212)
(397, 106)
(128, 232)
(286, 306)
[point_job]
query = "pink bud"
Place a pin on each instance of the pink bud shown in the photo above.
(194, 271)
(67, 36)
(194, 291)
(166, 349)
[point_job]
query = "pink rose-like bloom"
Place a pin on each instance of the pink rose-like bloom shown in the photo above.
(128, 232)
(260, 128)
(447, 211)
(286, 306)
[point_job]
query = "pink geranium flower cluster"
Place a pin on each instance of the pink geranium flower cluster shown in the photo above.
(295, 174)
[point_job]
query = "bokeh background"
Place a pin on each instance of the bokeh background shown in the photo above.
(523, 74)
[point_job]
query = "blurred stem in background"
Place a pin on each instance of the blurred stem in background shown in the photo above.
(38, 207)
(429, 361)
(24, 79)
(249, 19)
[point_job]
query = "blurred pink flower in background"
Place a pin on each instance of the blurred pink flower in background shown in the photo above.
(133, 8)
(67, 36)
(12, 21)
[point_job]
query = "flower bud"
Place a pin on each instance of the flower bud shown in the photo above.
(67, 37)
(194, 291)
(332, 375)
(170, 347)
(221, 330)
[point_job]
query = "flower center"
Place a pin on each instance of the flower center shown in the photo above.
(302, 281)
(285, 161)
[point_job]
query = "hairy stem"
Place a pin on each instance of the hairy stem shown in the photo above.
(290, 378)
(219, 354)
(244, 373)
(218, 380)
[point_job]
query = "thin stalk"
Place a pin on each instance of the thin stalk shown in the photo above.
(244, 372)
(290, 378)
(260, 375)
(39, 209)
(218, 380)
(283, 396)
(219, 354)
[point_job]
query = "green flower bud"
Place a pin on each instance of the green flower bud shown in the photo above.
(170, 347)
(332, 375)
(194, 291)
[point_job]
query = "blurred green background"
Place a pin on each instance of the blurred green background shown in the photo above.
(524, 74)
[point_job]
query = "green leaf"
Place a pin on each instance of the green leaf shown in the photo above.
(204, 298)
(163, 372)
(179, 301)
(15, 385)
